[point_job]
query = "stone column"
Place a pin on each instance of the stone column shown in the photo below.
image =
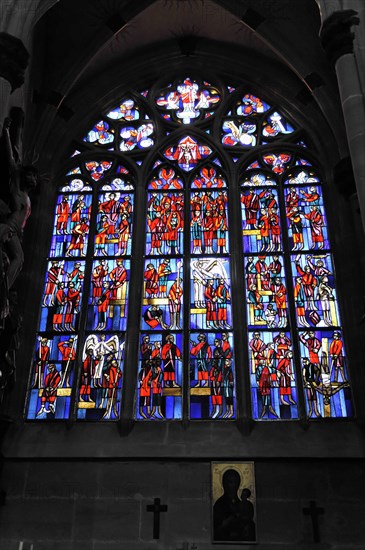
(13, 63)
(337, 40)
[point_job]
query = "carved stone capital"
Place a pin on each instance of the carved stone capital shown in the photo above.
(336, 35)
(14, 59)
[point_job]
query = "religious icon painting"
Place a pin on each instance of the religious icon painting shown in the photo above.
(212, 376)
(234, 518)
(100, 385)
(52, 377)
(159, 379)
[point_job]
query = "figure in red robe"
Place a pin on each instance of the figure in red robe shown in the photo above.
(49, 394)
(63, 211)
(170, 353)
(68, 353)
(251, 204)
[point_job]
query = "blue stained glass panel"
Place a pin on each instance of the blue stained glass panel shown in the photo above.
(71, 226)
(266, 292)
(255, 178)
(324, 372)
(114, 224)
(208, 177)
(164, 224)
(276, 125)
(136, 136)
(108, 302)
(163, 294)
(187, 100)
(301, 176)
(314, 290)
(272, 374)
(251, 105)
(127, 110)
(212, 375)
(277, 162)
(238, 132)
(159, 380)
(210, 303)
(101, 377)
(261, 226)
(76, 170)
(306, 219)
(62, 296)
(96, 169)
(209, 222)
(100, 134)
(52, 377)
(76, 186)
(166, 179)
(118, 184)
(187, 153)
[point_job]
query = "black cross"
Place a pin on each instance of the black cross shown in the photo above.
(314, 512)
(156, 508)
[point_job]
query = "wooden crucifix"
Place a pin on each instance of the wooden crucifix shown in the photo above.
(314, 512)
(156, 508)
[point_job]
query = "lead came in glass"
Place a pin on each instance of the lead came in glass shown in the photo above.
(101, 377)
(53, 377)
(190, 277)
(212, 382)
(272, 374)
(160, 372)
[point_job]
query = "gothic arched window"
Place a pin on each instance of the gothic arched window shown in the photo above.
(190, 245)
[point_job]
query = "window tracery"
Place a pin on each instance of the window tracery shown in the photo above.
(215, 154)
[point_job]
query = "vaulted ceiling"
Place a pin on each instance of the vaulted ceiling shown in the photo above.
(90, 44)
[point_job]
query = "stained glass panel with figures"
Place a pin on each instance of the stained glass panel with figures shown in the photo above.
(236, 259)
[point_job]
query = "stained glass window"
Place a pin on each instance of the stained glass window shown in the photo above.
(206, 204)
(288, 263)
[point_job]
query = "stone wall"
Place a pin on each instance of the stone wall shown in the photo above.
(101, 505)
